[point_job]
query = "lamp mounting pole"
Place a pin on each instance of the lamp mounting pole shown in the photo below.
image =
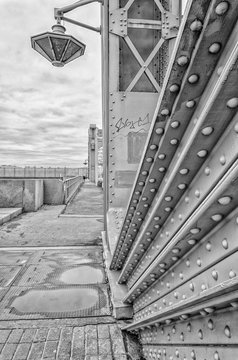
(59, 14)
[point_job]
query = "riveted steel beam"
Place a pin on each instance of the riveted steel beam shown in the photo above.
(195, 288)
(206, 254)
(143, 188)
(199, 353)
(196, 331)
(210, 173)
(221, 297)
(201, 221)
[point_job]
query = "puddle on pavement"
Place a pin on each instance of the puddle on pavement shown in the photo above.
(82, 275)
(55, 300)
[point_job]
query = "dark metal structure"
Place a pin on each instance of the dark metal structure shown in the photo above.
(176, 242)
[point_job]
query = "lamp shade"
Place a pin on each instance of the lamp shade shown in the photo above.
(57, 47)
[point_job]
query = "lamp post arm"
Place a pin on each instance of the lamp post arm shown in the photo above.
(97, 29)
(60, 11)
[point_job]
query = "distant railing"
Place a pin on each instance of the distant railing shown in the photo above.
(41, 172)
(71, 187)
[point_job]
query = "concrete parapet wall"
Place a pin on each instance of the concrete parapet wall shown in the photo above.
(53, 192)
(27, 194)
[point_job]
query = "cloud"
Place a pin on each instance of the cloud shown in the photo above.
(45, 112)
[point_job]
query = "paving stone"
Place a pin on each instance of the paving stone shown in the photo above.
(15, 336)
(50, 349)
(104, 346)
(36, 351)
(91, 330)
(103, 332)
(91, 346)
(117, 340)
(41, 334)
(4, 335)
(91, 357)
(28, 336)
(22, 351)
(54, 334)
(67, 334)
(78, 350)
(64, 351)
(8, 351)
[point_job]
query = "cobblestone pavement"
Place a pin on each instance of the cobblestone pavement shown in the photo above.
(54, 295)
(90, 342)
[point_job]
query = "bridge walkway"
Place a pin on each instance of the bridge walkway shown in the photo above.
(54, 294)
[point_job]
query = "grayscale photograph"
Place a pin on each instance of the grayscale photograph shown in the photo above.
(118, 180)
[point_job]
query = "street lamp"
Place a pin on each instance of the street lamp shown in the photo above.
(58, 47)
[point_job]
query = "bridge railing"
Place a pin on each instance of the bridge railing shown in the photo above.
(71, 187)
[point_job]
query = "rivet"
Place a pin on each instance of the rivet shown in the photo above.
(156, 218)
(174, 88)
(216, 356)
(152, 181)
(236, 127)
(174, 141)
(159, 131)
(225, 244)
(193, 79)
(207, 130)
(144, 173)
(153, 147)
(144, 198)
(199, 262)
(182, 186)
(210, 324)
(182, 336)
(181, 276)
(196, 25)
(225, 200)
(191, 241)
(195, 231)
(149, 159)
(214, 48)
(141, 183)
(200, 334)
(197, 193)
(161, 169)
(207, 171)
(208, 246)
(216, 217)
(175, 124)
(232, 274)
(168, 198)
(187, 263)
(183, 171)
(202, 153)
(189, 327)
(165, 112)
(222, 8)
(232, 103)
(191, 286)
(227, 331)
(182, 60)
(167, 209)
(209, 310)
(190, 104)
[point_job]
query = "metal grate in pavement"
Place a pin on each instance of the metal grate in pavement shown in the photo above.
(73, 257)
(8, 274)
(61, 275)
(9, 257)
(67, 297)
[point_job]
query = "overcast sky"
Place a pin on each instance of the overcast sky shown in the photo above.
(45, 111)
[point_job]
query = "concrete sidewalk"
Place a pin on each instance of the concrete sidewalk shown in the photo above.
(54, 293)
